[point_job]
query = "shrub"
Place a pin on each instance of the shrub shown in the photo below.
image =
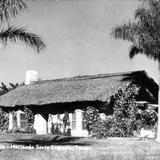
(100, 129)
(149, 117)
(4, 120)
(124, 111)
(122, 123)
(91, 119)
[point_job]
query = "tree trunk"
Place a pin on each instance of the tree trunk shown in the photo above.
(158, 127)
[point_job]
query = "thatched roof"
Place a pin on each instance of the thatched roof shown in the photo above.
(76, 89)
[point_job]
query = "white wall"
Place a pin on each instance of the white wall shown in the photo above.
(40, 124)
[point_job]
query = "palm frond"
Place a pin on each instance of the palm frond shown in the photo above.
(144, 16)
(13, 34)
(125, 31)
(144, 32)
(10, 8)
(134, 50)
(150, 3)
(147, 44)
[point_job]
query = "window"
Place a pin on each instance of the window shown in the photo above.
(74, 120)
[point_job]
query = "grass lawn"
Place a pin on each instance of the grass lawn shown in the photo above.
(74, 148)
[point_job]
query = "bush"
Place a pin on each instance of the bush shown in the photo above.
(122, 123)
(149, 117)
(100, 129)
(91, 119)
(124, 112)
(4, 120)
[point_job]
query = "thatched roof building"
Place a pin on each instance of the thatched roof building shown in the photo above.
(94, 88)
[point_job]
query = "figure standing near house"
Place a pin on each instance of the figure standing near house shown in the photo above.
(59, 123)
(66, 122)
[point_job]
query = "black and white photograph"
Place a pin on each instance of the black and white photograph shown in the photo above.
(79, 80)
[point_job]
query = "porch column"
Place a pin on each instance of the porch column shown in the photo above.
(78, 120)
(10, 127)
(41, 124)
(18, 119)
(79, 131)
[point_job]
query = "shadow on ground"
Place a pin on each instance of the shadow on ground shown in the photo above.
(49, 140)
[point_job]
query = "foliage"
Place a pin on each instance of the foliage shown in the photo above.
(4, 88)
(125, 111)
(4, 120)
(29, 115)
(147, 117)
(9, 9)
(101, 128)
(122, 123)
(91, 118)
(143, 32)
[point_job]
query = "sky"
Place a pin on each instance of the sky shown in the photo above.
(78, 39)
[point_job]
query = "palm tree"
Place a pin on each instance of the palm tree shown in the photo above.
(144, 34)
(9, 9)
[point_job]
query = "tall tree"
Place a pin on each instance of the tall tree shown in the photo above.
(144, 34)
(8, 10)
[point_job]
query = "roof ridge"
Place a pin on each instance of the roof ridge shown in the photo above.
(85, 77)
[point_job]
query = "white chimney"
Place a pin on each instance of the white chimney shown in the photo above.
(31, 76)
